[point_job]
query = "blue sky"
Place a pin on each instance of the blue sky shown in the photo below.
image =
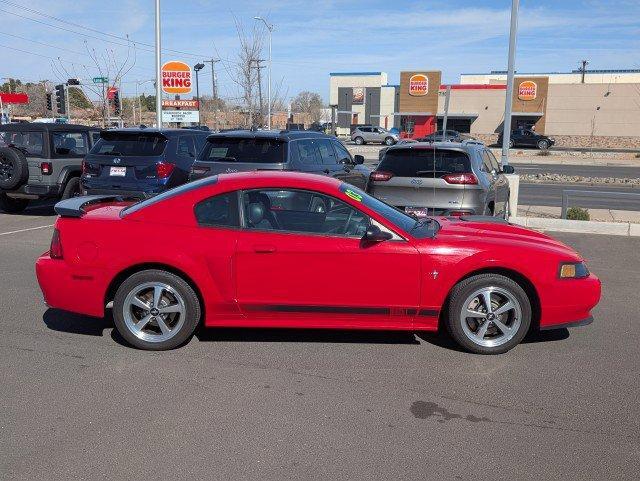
(313, 38)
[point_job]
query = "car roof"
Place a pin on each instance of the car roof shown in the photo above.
(42, 127)
(284, 135)
(153, 130)
(278, 178)
(464, 146)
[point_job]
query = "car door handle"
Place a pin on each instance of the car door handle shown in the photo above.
(264, 249)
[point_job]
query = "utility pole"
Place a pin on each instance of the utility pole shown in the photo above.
(158, 69)
(583, 69)
(259, 67)
(446, 112)
(506, 132)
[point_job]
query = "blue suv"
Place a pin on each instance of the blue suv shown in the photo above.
(140, 162)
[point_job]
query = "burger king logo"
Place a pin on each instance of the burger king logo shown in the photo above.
(527, 90)
(418, 85)
(176, 78)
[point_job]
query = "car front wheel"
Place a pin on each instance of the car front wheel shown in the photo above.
(543, 145)
(156, 310)
(359, 140)
(488, 314)
(389, 141)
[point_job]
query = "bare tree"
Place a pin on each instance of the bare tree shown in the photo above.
(309, 103)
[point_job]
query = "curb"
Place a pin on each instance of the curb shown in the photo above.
(628, 229)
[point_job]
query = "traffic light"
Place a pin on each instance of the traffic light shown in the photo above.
(49, 103)
(61, 99)
(116, 102)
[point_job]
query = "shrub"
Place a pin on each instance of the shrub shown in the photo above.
(577, 213)
(544, 152)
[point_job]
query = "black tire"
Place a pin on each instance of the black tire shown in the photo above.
(11, 205)
(389, 141)
(468, 287)
(190, 299)
(543, 145)
(359, 141)
(14, 170)
(72, 189)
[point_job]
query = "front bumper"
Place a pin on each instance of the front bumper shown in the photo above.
(569, 302)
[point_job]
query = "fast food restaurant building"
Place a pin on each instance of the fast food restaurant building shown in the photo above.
(604, 111)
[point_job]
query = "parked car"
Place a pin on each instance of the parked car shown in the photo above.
(528, 138)
(442, 178)
(41, 161)
(285, 249)
(303, 151)
(140, 162)
(365, 134)
(451, 136)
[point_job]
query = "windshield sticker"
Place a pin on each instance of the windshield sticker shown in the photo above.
(353, 195)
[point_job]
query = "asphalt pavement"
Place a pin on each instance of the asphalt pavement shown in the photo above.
(551, 195)
(616, 171)
(76, 402)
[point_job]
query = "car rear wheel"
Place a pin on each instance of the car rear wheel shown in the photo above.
(543, 144)
(359, 140)
(72, 189)
(389, 141)
(11, 205)
(488, 314)
(156, 310)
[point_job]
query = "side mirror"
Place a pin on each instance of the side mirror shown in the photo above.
(375, 234)
(508, 169)
(358, 159)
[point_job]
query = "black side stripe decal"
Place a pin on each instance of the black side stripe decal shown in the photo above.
(384, 311)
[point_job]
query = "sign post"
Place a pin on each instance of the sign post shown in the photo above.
(506, 132)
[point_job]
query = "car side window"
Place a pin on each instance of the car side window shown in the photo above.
(344, 157)
(70, 144)
(218, 211)
(30, 143)
(185, 146)
(308, 152)
(327, 154)
(301, 211)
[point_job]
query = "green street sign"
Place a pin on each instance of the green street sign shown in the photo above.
(100, 80)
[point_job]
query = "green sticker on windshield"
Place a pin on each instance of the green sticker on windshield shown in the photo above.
(353, 195)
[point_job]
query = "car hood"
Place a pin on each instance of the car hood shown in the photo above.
(499, 232)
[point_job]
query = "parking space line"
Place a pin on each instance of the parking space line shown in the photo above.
(25, 230)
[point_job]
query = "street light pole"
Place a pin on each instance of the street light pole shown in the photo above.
(197, 67)
(158, 70)
(506, 132)
(270, 28)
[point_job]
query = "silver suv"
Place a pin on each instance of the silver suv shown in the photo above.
(363, 134)
(442, 178)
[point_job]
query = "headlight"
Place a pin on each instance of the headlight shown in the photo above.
(573, 270)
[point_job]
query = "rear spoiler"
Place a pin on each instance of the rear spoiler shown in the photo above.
(74, 207)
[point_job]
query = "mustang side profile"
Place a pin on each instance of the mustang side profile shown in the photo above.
(287, 249)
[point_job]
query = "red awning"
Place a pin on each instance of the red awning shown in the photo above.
(19, 98)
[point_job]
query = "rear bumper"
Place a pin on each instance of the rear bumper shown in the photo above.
(36, 190)
(70, 290)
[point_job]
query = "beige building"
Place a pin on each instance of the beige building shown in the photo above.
(573, 77)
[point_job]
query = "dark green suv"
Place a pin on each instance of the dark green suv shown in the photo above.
(40, 161)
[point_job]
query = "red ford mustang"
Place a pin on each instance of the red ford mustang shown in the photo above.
(266, 249)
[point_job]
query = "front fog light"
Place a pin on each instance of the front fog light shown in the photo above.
(573, 270)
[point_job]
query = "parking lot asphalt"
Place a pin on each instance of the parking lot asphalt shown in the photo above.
(75, 402)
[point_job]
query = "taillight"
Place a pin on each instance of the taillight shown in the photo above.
(380, 176)
(164, 169)
(46, 168)
(460, 179)
(55, 251)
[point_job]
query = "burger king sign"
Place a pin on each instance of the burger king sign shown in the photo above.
(527, 90)
(418, 85)
(176, 78)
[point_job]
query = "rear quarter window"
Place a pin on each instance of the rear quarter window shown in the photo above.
(424, 162)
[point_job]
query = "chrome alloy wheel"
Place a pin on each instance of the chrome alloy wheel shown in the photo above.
(154, 311)
(491, 316)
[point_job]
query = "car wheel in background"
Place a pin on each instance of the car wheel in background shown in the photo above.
(11, 205)
(72, 189)
(14, 170)
(488, 314)
(389, 141)
(359, 140)
(156, 310)
(543, 144)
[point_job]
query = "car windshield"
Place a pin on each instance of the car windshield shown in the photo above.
(421, 162)
(129, 144)
(423, 228)
(250, 150)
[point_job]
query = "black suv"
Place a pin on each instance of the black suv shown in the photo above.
(41, 161)
(140, 162)
(528, 138)
(303, 151)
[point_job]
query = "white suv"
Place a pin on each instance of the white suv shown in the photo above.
(362, 135)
